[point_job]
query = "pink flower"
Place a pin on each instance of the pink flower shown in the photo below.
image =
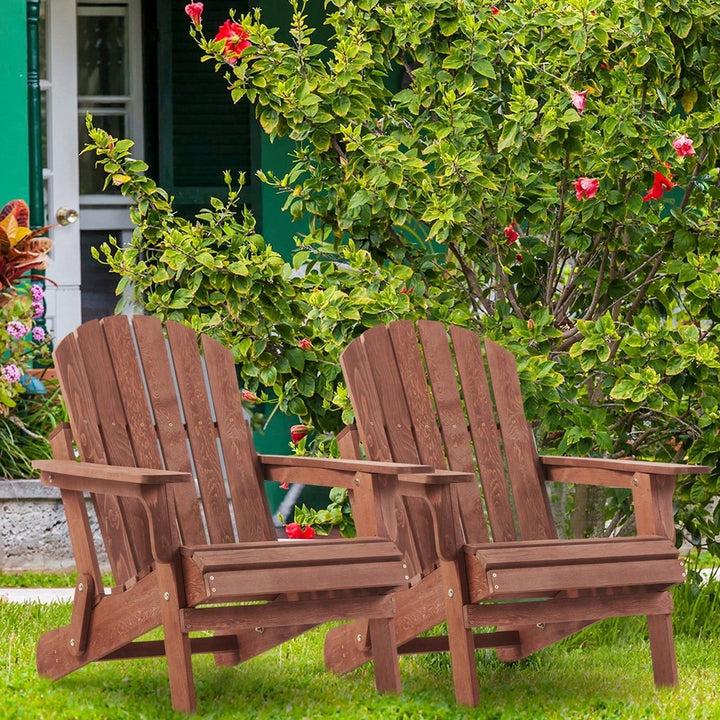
(585, 188)
(38, 334)
(511, 234)
(494, 10)
(683, 146)
(17, 330)
(297, 532)
(11, 373)
(249, 396)
(38, 308)
(660, 185)
(284, 486)
(578, 100)
(236, 40)
(37, 292)
(298, 432)
(194, 11)
(305, 344)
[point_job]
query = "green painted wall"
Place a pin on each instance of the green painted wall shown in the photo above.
(14, 173)
(277, 226)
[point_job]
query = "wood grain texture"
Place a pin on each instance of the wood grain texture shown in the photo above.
(442, 396)
(157, 417)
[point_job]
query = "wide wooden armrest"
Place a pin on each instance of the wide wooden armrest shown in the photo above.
(331, 472)
(610, 472)
(98, 478)
(146, 484)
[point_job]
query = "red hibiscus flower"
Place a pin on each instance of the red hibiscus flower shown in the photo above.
(236, 40)
(249, 396)
(494, 10)
(578, 100)
(298, 432)
(661, 184)
(305, 344)
(585, 188)
(297, 532)
(511, 234)
(194, 11)
(683, 146)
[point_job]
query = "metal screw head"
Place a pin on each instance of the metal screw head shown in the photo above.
(451, 592)
(166, 595)
(541, 626)
(359, 638)
(357, 482)
(81, 587)
(72, 642)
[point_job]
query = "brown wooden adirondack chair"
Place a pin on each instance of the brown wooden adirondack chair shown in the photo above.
(488, 554)
(149, 411)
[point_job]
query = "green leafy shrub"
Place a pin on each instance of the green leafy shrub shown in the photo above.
(543, 172)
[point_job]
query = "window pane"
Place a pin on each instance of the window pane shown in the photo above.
(102, 48)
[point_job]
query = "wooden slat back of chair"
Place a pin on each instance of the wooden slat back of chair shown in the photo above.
(421, 394)
(139, 395)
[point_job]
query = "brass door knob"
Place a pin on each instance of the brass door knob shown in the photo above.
(66, 216)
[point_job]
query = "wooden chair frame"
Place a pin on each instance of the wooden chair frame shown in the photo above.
(486, 554)
(158, 424)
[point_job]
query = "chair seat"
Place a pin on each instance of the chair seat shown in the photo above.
(550, 566)
(262, 569)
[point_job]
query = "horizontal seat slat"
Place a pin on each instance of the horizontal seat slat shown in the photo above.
(571, 552)
(251, 583)
(555, 578)
(278, 554)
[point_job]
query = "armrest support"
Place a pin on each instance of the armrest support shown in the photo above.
(609, 472)
(148, 485)
(652, 485)
(339, 472)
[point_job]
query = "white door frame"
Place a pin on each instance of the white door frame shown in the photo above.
(96, 212)
(63, 312)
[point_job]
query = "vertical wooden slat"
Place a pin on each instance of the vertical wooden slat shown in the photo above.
(114, 428)
(128, 371)
(486, 439)
(448, 406)
(201, 431)
(82, 412)
(365, 400)
(380, 358)
(532, 504)
(250, 505)
(415, 384)
(157, 371)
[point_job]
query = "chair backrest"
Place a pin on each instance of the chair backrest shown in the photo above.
(143, 394)
(435, 395)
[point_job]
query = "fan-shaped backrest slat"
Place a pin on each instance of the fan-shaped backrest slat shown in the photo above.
(428, 386)
(139, 394)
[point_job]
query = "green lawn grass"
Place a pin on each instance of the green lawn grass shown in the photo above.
(603, 672)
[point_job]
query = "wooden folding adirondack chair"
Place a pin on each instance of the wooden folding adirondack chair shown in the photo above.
(488, 554)
(149, 411)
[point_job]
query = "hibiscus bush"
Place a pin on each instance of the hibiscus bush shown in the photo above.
(543, 172)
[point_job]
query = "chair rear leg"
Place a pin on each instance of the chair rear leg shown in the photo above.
(662, 649)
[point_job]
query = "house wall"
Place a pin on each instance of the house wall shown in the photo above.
(14, 180)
